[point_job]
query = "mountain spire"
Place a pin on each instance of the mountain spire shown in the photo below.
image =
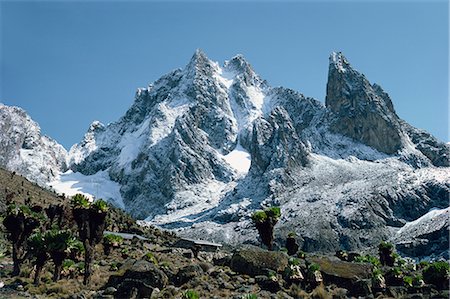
(363, 111)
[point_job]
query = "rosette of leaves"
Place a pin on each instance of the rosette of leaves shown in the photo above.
(37, 247)
(60, 244)
(111, 241)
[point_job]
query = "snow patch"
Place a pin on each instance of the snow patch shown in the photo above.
(188, 205)
(224, 77)
(428, 221)
(94, 186)
(239, 159)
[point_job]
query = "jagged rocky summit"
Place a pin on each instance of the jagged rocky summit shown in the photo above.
(204, 146)
(25, 150)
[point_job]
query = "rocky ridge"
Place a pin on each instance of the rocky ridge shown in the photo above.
(25, 150)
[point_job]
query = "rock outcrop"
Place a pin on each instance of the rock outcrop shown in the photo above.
(363, 111)
(25, 150)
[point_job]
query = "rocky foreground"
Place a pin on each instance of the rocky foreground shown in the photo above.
(150, 263)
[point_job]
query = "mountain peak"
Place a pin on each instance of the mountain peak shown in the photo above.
(238, 63)
(95, 125)
(199, 62)
(364, 111)
(339, 62)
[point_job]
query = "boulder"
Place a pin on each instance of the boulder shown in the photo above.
(187, 273)
(255, 261)
(142, 275)
(344, 274)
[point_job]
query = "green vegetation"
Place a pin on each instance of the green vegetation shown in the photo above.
(149, 257)
(408, 280)
(313, 268)
(249, 296)
(20, 222)
(80, 201)
(386, 251)
(190, 294)
(91, 221)
(37, 246)
(301, 254)
(368, 259)
(265, 222)
(60, 243)
(437, 273)
(294, 261)
(111, 241)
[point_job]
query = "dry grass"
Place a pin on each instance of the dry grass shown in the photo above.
(320, 293)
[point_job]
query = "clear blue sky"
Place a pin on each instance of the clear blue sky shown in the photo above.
(69, 63)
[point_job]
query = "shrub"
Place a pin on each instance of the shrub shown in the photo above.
(408, 280)
(294, 261)
(191, 294)
(20, 221)
(68, 263)
(149, 257)
(292, 235)
(301, 254)
(423, 264)
(80, 201)
(368, 259)
(259, 217)
(111, 241)
(114, 266)
(313, 267)
(437, 273)
(91, 221)
(100, 205)
(249, 296)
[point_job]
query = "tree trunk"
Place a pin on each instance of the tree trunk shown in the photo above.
(58, 259)
(16, 260)
(37, 275)
(88, 257)
(57, 273)
(107, 249)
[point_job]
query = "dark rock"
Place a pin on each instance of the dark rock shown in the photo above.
(187, 273)
(207, 267)
(362, 287)
(437, 152)
(223, 261)
(142, 275)
(271, 284)
(351, 276)
(254, 261)
(291, 245)
(133, 288)
(396, 291)
(109, 291)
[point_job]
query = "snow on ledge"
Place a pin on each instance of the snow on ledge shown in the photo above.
(98, 185)
(239, 159)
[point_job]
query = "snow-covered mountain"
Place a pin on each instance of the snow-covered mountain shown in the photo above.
(204, 146)
(25, 150)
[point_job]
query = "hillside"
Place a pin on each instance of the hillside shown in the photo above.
(157, 265)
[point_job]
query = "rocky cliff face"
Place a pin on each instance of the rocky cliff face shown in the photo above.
(25, 150)
(204, 146)
(363, 111)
